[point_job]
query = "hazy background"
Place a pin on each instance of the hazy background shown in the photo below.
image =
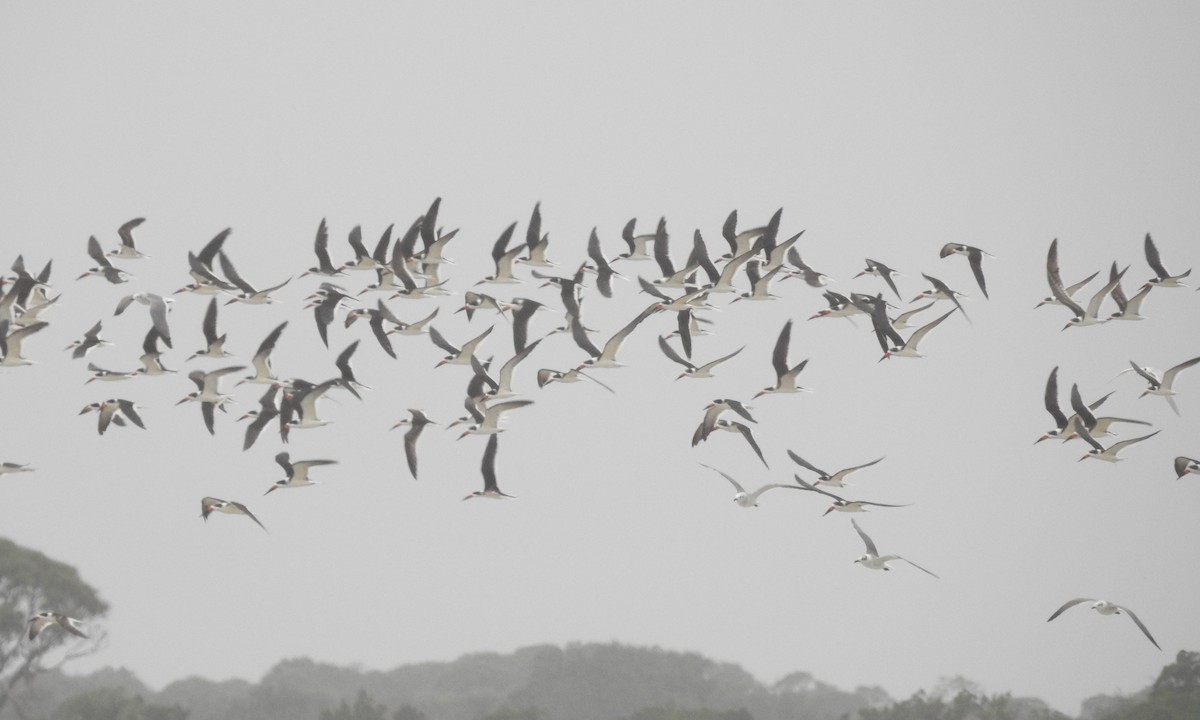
(885, 131)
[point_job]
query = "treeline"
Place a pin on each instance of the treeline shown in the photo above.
(578, 682)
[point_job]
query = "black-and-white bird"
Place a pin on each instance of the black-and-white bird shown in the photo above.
(297, 472)
(113, 411)
(691, 369)
(215, 348)
(1161, 278)
(488, 467)
(45, 619)
(874, 267)
(785, 374)
(836, 479)
(103, 268)
(91, 340)
(841, 504)
(158, 311)
(321, 248)
(975, 257)
(127, 249)
(415, 425)
(873, 560)
(1163, 386)
(209, 505)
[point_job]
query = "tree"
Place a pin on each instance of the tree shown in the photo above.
(114, 704)
(31, 583)
(1175, 694)
(364, 708)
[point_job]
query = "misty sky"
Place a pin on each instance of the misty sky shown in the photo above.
(882, 130)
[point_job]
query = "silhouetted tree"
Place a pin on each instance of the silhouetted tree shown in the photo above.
(1174, 695)
(114, 704)
(364, 708)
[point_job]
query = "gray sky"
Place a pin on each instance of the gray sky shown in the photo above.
(884, 131)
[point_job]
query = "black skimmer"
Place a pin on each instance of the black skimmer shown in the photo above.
(1161, 278)
(415, 424)
(607, 358)
(836, 479)
(505, 376)
(321, 248)
(873, 560)
(10, 342)
(1064, 427)
(267, 411)
(99, 373)
(263, 373)
(208, 392)
(909, 348)
(692, 370)
(804, 271)
(1070, 291)
(741, 242)
(299, 407)
(211, 505)
(457, 355)
(348, 380)
(523, 310)
(536, 243)
(473, 301)
(901, 321)
(324, 308)
(127, 249)
(1111, 453)
(200, 267)
(744, 431)
(103, 268)
(376, 317)
(215, 347)
(839, 306)
(604, 271)
(725, 279)
(114, 411)
(492, 415)
(490, 488)
(43, 620)
(8, 468)
(1127, 308)
(1083, 317)
(1163, 386)
(941, 291)
(759, 283)
(545, 376)
(1095, 426)
(974, 257)
(297, 472)
(91, 339)
(250, 295)
(841, 504)
(503, 258)
(743, 498)
(874, 267)
(364, 260)
(639, 245)
(785, 374)
(712, 411)
(158, 311)
(1183, 466)
(1105, 607)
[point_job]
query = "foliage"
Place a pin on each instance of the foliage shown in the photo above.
(364, 708)
(659, 713)
(963, 705)
(114, 704)
(31, 583)
(1174, 695)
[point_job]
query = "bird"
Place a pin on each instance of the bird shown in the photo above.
(127, 249)
(488, 467)
(744, 430)
(297, 472)
(492, 414)
(9, 468)
(909, 347)
(1111, 453)
(607, 358)
(209, 505)
(837, 479)
(208, 392)
(1083, 317)
(785, 374)
(99, 373)
(103, 268)
(348, 380)
(695, 371)
(113, 411)
(1163, 385)
(743, 498)
(1183, 466)
(603, 270)
(250, 295)
(545, 376)
(263, 373)
(457, 355)
(10, 343)
(839, 503)
(215, 347)
(415, 424)
(874, 267)
(1105, 607)
(267, 411)
(45, 619)
(503, 258)
(1070, 291)
(1127, 308)
(941, 291)
(974, 257)
(91, 340)
(321, 248)
(873, 560)
(158, 311)
(151, 357)
(1161, 278)
(325, 308)
(805, 271)
(639, 245)
(1065, 427)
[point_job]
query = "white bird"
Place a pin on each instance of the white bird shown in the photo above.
(743, 498)
(43, 620)
(10, 343)
(1110, 454)
(158, 311)
(873, 560)
(1105, 607)
(297, 472)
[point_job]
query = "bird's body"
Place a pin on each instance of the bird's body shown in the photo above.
(1105, 607)
(873, 560)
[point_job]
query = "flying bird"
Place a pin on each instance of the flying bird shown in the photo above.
(488, 467)
(873, 560)
(785, 374)
(415, 424)
(211, 505)
(836, 479)
(839, 503)
(974, 257)
(1163, 385)
(1105, 607)
(743, 498)
(297, 472)
(1161, 278)
(45, 619)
